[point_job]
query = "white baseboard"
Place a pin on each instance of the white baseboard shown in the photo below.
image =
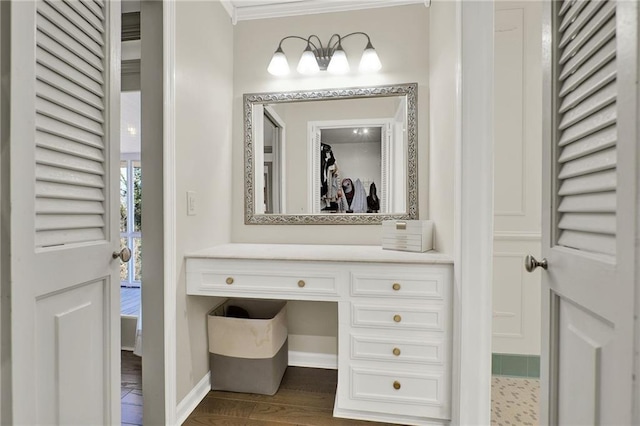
(388, 418)
(313, 360)
(193, 398)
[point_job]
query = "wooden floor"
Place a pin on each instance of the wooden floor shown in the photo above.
(305, 397)
(130, 301)
(131, 388)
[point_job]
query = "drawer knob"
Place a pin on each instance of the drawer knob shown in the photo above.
(229, 280)
(301, 283)
(397, 318)
(396, 286)
(396, 351)
(396, 385)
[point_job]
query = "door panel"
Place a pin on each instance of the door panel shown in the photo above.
(64, 181)
(71, 321)
(589, 211)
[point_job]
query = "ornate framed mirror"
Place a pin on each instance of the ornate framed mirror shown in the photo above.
(331, 156)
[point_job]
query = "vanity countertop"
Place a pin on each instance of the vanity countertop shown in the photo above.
(316, 252)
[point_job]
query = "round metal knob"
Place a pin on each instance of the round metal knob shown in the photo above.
(229, 280)
(397, 318)
(530, 263)
(396, 351)
(124, 254)
(396, 286)
(396, 385)
(301, 283)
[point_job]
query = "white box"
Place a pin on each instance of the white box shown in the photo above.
(407, 235)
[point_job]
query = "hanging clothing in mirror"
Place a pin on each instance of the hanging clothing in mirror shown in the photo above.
(373, 202)
(354, 197)
(329, 178)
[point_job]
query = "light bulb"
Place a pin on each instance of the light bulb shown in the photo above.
(278, 65)
(369, 61)
(338, 63)
(308, 63)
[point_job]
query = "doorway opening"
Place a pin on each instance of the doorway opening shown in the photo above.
(131, 277)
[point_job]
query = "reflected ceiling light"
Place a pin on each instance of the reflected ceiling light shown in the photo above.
(331, 57)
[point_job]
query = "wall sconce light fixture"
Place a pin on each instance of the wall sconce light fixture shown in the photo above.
(331, 57)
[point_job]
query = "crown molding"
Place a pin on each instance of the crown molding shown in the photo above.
(241, 11)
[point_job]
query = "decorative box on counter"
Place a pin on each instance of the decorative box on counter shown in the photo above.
(407, 235)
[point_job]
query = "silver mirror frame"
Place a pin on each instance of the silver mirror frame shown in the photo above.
(410, 90)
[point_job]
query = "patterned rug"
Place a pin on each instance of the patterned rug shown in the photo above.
(514, 401)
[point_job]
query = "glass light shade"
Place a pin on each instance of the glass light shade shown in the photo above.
(278, 65)
(338, 63)
(369, 61)
(308, 63)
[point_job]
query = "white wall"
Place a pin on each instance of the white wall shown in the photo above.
(404, 56)
(442, 120)
(517, 176)
(203, 84)
(5, 317)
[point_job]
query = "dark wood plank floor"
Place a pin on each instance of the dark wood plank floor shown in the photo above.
(305, 397)
(131, 388)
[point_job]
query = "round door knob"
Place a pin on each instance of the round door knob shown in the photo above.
(397, 318)
(530, 263)
(229, 280)
(396, 286)
(124, 254)
(396, 351)
(301, 283)
(396, 385)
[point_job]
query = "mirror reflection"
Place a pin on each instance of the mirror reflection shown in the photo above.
(335, 159)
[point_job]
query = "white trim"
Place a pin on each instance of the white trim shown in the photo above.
(169, 212)
(313, 360)
(192, 399)
(306, 7)
(474, 215)
(387, 418)
(517, 236)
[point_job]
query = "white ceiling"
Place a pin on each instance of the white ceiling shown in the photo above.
(347, 135)
(241, 10)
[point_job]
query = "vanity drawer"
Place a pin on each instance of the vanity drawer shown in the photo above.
(398, 283)
(238, 278)
(426, 318)
(394, 350)
(407, 393)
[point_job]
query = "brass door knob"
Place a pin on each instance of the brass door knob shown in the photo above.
(301, 283)
(229, 280)
(396, 286)
(396, 385)
(397, 318)
(124, 254)
(396, 351)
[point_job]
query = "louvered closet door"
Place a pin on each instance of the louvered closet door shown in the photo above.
(64, 150)
(589, 207)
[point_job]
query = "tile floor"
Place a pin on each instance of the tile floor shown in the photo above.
(514, 401)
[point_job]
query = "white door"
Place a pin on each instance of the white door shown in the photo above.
(64, 202)
(589, 212)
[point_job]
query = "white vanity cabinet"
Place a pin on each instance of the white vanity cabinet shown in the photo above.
(395, 317)
(395, 342)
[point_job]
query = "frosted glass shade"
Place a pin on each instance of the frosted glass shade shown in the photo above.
(308, 63)
(338, 63)
(278, 65)
(370, 62)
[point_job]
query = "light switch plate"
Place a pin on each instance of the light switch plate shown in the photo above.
(191, 203)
